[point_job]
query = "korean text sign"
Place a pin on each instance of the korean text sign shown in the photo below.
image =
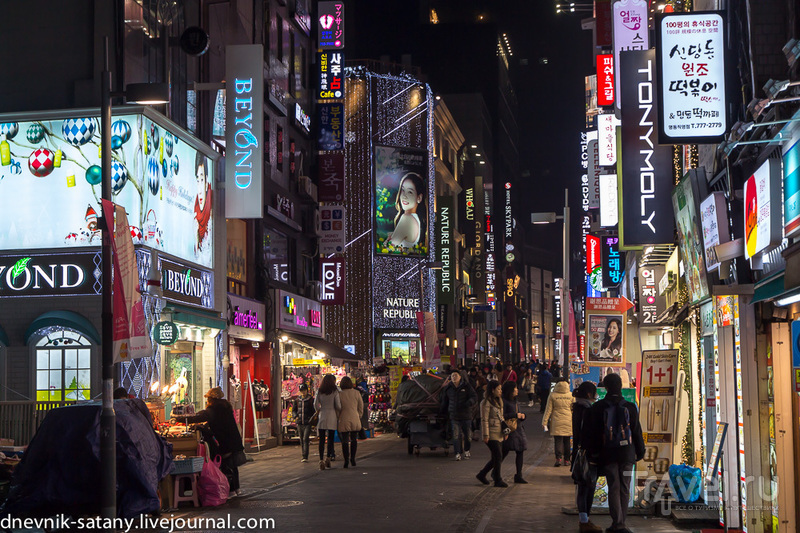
(330, 118)
(331, 25)
(613, 261)
(691, 72)
(630, 33)
(605, 79)
(657, 409)
(330, 67)
(330, 185)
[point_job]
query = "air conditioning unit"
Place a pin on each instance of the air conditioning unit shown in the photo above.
(308, 187)
(314, 290)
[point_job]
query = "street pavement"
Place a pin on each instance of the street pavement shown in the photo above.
(391, 491)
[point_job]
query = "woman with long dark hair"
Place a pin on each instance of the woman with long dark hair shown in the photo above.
(409, 224)
(492, 431)
(612, 341)
(328, 404)
(350, 420)
(517, 441)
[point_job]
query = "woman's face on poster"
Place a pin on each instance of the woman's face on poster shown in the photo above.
(613, 330)
(201, 184)
(409, 196)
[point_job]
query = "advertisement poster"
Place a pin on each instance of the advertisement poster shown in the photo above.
(606, 340)
(401, 201)
(684, 203)
(50, 185)
(714, 220)
(657, 409)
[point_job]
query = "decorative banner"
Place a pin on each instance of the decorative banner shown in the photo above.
(646, 167)
(791, 191)
(630, 33)
(330, 118)
(330, 33)
(613, 261)
(762, 202)
(331, 229)
(131, 338)
(244, 131)
(714, 219)
(684, 204)
(165, 333)
(607, 139)
(606, 331)
(691, 73)
(332, 272)
(330, 186)
(330, 83)
(446, 250)
(58, 274)
(574, 354)
(651, 303)
(401, 201)
(605, 79)
(609, 201)
(427, 334)
(657, 409)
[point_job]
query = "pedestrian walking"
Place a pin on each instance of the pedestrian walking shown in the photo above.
(458, 399)
(303, 410)
(558, 417)
(328, 405)
(492, 430)
(349, 419)
(526, 385)
(614, 441)
(508, 374)
(543, 383)
(517, 440)
(585, 395)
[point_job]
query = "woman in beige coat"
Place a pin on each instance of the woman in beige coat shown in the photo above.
(558, 415)
(350, 420)
(492, 432)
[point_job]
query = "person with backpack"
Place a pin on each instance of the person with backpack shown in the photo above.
(613, 440)
(543, 384)
(585, 395)
(558, 419)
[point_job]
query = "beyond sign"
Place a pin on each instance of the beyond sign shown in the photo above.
(185, 284)
(50, 275)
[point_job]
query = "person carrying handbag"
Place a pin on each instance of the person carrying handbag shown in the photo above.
(328, 405)
(517, 441)
(584, 473)
(494, 433)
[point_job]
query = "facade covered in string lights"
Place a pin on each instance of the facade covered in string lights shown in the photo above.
(390, 237)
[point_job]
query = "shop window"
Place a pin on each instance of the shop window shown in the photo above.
(63, 367)
(276, 256)
(180, 369)
(401, 350)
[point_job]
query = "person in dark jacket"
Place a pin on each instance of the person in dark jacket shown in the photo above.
(517, 441)
(585, 395)
(458, 400)
(304, 411)
(218, 414)
(543, 383)
(616, 462)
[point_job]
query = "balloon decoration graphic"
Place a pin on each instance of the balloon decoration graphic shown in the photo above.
(168, 143)
(94, 175)
(119, 176)
(116, 142)
(175, 165)
(78, 131)
(40, 162)
(35, 133)
(154, 134)
(9, 129)
(153, 175)
(121, 129)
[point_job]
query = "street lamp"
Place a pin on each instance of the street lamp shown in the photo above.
(137, 93)
(549, 218)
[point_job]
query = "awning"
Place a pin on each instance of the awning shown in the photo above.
(769, 288)
(3, 337)
(328, 348)
(197, 317)
(66, 319)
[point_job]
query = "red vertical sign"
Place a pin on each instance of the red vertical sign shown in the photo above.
(593, 255)
(605, 79)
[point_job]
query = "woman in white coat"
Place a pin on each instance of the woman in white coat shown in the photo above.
(328, 405)
(558, 416)
(350, 420)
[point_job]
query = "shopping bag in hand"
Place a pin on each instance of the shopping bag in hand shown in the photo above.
(212, 487)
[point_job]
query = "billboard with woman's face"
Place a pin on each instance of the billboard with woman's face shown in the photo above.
(401, 201)
(605, 342)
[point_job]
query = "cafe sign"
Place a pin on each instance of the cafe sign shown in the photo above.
(165, 333)
(65, 274)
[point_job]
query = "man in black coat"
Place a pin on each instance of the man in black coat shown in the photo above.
(303, 410)
(458, 400)
(615, 458)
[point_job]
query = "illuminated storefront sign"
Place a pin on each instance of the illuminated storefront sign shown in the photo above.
(64, 274)
(298, 314)
(332, 271)
(331, 81)
(762, 204)
(605, 79)
(331, 229)
(302, 118)
(607, 139)
(488, 231)
(401, 308)
(330, 119)
(593, 173)
(330, 35)
(651, 303)
(244, 131)
(245, 318)
(714, 219)
(330, 186)
(187, 284)
(609, 207)
(630, 33)
(613, 261)
(691, 74)
(446, 249)
(791, 188)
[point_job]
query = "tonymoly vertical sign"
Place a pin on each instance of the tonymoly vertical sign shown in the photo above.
(244, 131)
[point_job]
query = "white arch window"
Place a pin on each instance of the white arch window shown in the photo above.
(63, 366)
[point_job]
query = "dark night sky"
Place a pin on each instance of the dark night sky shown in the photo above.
(551, 96)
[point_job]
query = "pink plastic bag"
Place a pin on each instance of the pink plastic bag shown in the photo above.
(212, 486)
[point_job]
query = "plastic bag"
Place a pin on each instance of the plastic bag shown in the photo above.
(212, 487)
(685, 482)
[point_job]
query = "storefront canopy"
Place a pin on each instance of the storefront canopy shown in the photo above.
(3, 337)
(197, 317)
(66, 319)
(769, 288)
(328, 348)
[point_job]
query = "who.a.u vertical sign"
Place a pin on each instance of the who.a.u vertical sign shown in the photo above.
(244, 131)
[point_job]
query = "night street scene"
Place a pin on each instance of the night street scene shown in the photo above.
(446, 266)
